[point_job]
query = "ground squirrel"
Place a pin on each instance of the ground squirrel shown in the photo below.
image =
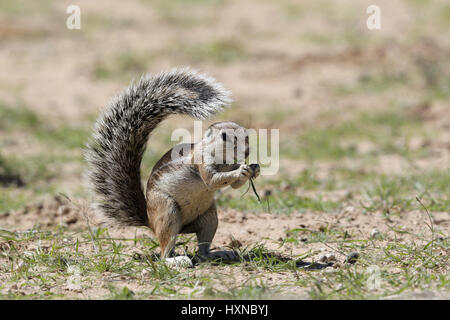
(180, 193)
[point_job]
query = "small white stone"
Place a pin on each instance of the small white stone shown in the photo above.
(74, 270)
(330, 257)
(180, 261)
(28, 253)
(20, 265)
(374, 233)
(349, 209)
(74, 283)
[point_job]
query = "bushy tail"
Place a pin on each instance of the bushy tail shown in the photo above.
(115, 151)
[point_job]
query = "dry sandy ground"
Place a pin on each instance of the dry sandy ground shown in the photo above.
(247, 228)
(236, 230)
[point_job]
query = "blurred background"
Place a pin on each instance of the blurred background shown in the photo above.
(364, 115)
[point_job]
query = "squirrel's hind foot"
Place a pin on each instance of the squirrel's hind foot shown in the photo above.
(220, 256)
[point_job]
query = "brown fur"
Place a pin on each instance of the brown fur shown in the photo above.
(180, 196)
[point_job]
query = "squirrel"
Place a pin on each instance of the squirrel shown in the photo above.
(179, 196)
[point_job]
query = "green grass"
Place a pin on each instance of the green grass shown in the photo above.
(293, 10)
(123, 66)
(445, 15)
(387, 193)
(221, 51)
(251, 290)
(121, 294)
(186, 14)
(25, 177)
(404, 266)
(12, 117)
(278, 202)
(318, 38)
(307, 179)
(94, 23)
(419, 269)
(19, 118)
(388, 131)
(34, 169)
(375, 82)
(24, 7)
(430, 77)
(11, 199)
(367, 189)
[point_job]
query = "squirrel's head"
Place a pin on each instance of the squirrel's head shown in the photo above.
(226, 142)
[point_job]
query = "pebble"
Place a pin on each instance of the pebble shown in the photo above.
(179, 262)
(331, 257)
(352, 257)
(28, 253)
(20, 266)
(374, 233)
(327, 258)
(349, 209)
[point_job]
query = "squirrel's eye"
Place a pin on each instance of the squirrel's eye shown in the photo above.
(224, 136)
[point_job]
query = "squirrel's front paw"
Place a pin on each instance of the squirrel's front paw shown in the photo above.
(254, 167)
(245, 171)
